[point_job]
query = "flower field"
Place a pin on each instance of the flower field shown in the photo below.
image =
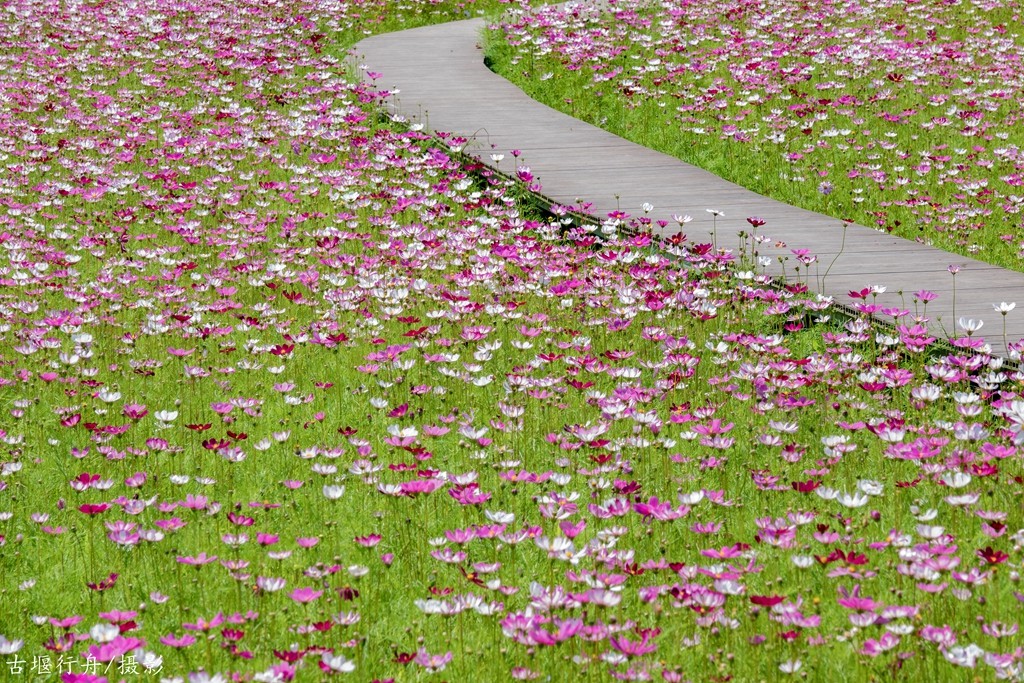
(294, 391)
(901, 116)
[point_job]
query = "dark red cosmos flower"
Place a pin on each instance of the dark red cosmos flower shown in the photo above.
(677, 239)
(633, 569)
(766, 600)
(104, 584)
(472, 577)
(93, 508)
(289, 656)
(993, 556)
(984, 469)
(851, 558)
(232, 634)
(805, 486)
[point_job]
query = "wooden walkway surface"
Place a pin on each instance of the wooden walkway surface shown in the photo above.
(442, 82)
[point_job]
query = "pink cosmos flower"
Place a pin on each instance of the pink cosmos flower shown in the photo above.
(432, 663)
(305, 595)
(171, 640)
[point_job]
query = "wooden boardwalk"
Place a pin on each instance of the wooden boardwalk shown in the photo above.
(443, 83)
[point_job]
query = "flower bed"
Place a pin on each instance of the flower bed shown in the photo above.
(295, 393)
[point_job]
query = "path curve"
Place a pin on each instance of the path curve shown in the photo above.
(441, 80)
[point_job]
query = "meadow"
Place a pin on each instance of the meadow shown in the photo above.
(904, 117)
(294, 391)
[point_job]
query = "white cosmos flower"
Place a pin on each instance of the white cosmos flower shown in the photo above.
(691, 498)
(802, 561)
(970, 325)
(790, 666)
(930, 532)
(166, 415)
(203, 677)
(872, 488)
(964, 656)
(337, 663)
(148, 660)
(500, 517)
(104, 633)
(854, 500)
(923, 516)
(108, 395)
(826, 493)
(956, 480)
(431, 606)
(489, 608)
(334, 492)
(1004, 307)
(963, 499)
(9, 647)
(402, 432)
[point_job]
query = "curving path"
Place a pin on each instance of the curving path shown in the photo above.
(441, 81)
